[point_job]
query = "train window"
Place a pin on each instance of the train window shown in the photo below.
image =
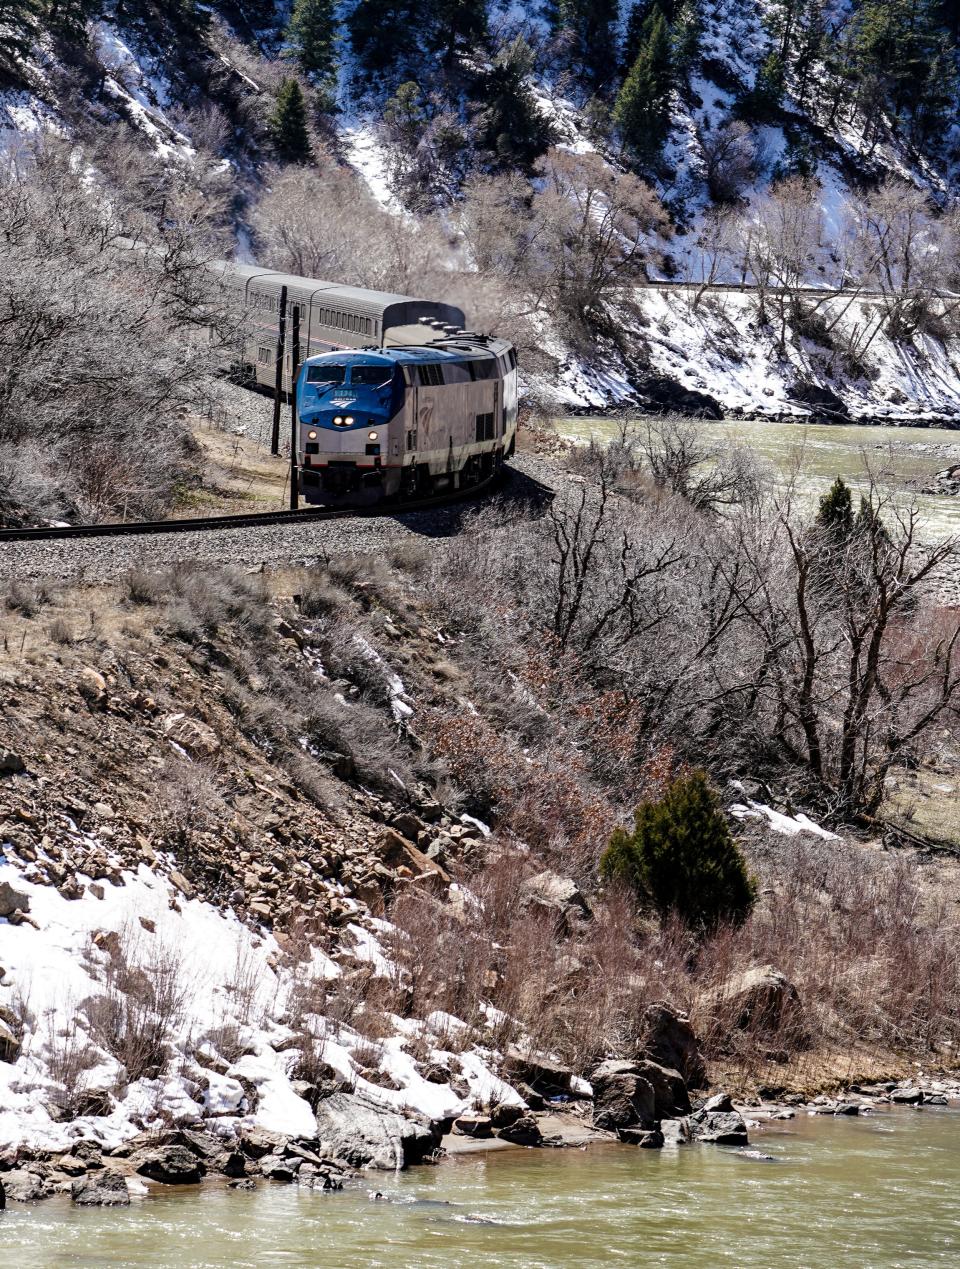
(431, 373)
(513, 359)
(263, 356)
(372, 376)
(484, 427)
(326, 374)
(486, 369)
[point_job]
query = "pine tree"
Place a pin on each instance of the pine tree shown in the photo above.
(765, 98)
(458, 25)
(510, 123)
(641, 112)
(288, 124)
(835, 514)
(18, 30)
(590, 26)
(313, 32)
(681, 858)
(380, 31)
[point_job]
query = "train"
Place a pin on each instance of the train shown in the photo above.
(394, 397)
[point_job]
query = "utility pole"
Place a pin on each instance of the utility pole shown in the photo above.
(278, 389)
(294, 368)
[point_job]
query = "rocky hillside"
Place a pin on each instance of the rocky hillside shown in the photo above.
(540, 163)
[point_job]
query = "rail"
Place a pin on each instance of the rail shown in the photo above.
(247, 520)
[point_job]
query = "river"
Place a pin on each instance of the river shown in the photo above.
(881, 1190)
(898, 457)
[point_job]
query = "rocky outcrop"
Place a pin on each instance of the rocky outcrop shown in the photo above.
(622, 1098)
(671, 1098)
(718, 1122)
(23, 1185)
(524, 1131)
(759, 999)
(103, 1189)
(537, 1072)
(666, 1037)
(170, 1165)
(363, 1135)
(11, 900)
(556, 897)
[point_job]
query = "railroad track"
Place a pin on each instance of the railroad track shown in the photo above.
(247, 520)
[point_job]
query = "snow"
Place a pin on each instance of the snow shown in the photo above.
(790, 825)
(365, 152)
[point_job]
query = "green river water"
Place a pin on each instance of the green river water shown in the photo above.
(900, 458)
(882, 1190)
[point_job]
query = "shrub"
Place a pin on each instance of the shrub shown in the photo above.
(682, 858)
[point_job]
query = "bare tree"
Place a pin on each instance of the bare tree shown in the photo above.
(728, 157)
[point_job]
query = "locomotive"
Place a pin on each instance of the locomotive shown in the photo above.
(394, 397)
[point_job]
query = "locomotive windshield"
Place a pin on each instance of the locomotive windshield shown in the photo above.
(326, 374)
(372, 376)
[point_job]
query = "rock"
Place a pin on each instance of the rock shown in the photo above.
(171, 1165)
(247, 1183)
(12, 900)
(847, 1108)
(473, 1126)
(505, 1114)
(363, 1135)
(256, 1142)
(545, 1077)
(668, 1039)
(199, 740)
(179, 881)
(716, 1121)
(621, 1097)
(676, 1132)
(11, 763)
(92, 686)
(645, 1138)
(906, 1096)
(524, 1131)
(10, 1046)
(935, 1099)
(761, 999)
(3, 1197)
(397, 852)
(555, 896)
(24, 1186)
(102, 1189)
(670, 1092)
(276, 1168)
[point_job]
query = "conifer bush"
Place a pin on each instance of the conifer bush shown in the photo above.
(288, 124)
(681, 857)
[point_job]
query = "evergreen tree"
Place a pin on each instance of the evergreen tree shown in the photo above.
(642, 109)
(681, 858)
(510, 123)
(458, 25)
(18, 29)
(633, 35)
(381, 30)
(765, 99)
(313, 32)
(590, 26)
(288, 124)
(835, 514)
(902, 48)
(68, 18)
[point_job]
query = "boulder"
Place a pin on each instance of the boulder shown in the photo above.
(473, 1126)
(645, 1138)
(356, 1132)
(524, 1131)
(276, 1168)
(906, 1096)
(12, 900)
(102, 1189)
(199, 740)
(718, 1122)
(504, 1114)
(621, 1097)
(666, 1037)
(759, 999)
(538, 1072)
(256, 1142)
(555, 896)
(11, 763)
(170, 1164)
(24, 1186)
(669, 1090)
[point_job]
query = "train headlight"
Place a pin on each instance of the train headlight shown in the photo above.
(311, 436)
(348, 420)
(338, 420)
(371, 436)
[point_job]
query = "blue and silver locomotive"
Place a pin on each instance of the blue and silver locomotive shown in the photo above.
(394, 397)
